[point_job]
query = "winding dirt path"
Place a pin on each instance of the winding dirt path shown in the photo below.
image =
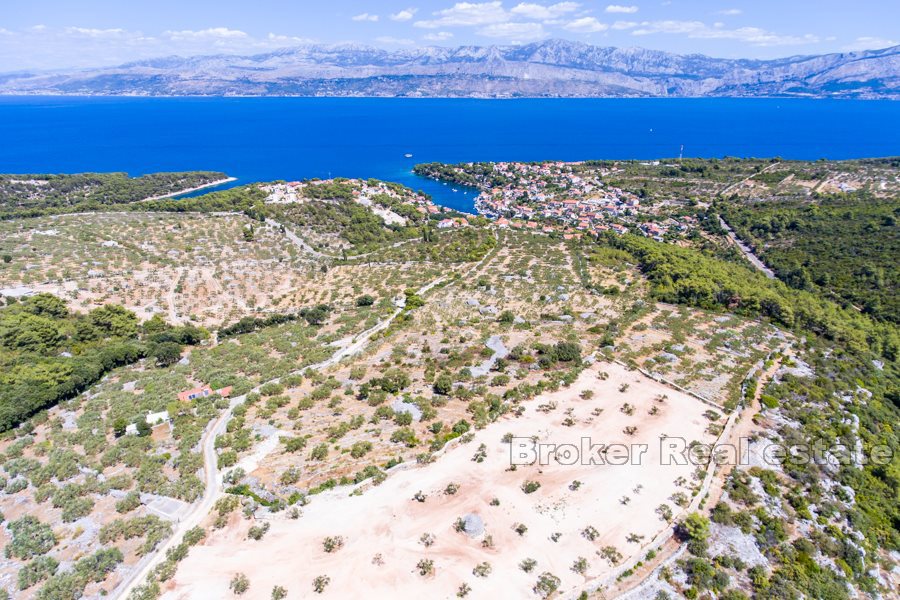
(743, 427)
(213, 478)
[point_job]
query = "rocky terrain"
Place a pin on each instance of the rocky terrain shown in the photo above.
(280, 390)
(554, 68)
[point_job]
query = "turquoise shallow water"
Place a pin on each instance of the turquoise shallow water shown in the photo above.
(259, 139)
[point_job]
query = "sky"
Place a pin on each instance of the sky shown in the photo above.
(56, 34)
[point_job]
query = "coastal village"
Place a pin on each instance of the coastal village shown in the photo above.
(556, 198)
(550, 198)
(265, 387)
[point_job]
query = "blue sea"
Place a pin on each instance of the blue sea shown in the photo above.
(261, 139)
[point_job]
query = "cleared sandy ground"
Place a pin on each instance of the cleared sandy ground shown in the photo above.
(386, 520)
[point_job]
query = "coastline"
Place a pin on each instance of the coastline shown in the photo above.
(216, 183)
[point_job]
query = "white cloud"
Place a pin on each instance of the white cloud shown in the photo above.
(211, 33)
(287, 40)
(523, 22)
(80, 47)
(699, 30)
(622, 25)
(392, 41)
(464, 14)
(437, 36)
(365, 17)
(540, 12)
(586, 25)
(651, 27)
(405, 14)
(870, 43)
(730, 12)
(618, 8)
(95, 33)
(514, 32)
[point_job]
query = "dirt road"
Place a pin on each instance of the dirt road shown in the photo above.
(213, 478)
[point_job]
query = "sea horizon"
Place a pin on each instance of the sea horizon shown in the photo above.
(273, 138)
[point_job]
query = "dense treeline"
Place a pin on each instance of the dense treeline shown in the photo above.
(248, 199)
(687, 276)
(471, 174)
(336, 190)
(465, 245)
(315, 315)
(850, 378)
(49, 354)
(37, 195)
(845, 246)
(352, 221)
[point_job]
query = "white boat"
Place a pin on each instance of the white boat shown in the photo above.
(454, 190)
(407, 155)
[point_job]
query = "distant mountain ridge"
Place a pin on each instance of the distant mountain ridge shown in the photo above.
(554, 68)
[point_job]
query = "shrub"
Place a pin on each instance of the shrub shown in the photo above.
(530, 486)
(320, 583)
(36, 571)
(30, 538)
(664, 511)
(239, 584)
(333, 543)
(443, 385)
(279, 593)
(482, 569)
(546, 584)
(425, 567)
(611, 554)
(580, 565)
(406, 436)
(258, 531)
(360, 449)
(320, 452)
(130, 502)
(194, 536)
(293, 444)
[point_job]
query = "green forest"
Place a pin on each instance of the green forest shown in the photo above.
(352, 221)
(49, 354)
(864, 358)
(845, 247)
(248, 199)
(36, 195)
(689, 276)
(474, 174)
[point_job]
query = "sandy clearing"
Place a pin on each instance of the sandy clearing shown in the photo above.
(385, 520)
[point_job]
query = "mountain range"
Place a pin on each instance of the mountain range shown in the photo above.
(553, 68)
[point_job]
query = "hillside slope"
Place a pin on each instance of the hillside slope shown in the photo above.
(554, 68)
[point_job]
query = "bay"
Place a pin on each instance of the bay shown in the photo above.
(263, 139)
